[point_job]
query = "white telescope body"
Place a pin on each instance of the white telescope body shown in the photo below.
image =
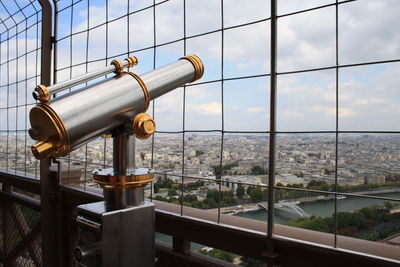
(67, 122)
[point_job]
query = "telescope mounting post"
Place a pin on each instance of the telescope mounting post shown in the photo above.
(123, 185)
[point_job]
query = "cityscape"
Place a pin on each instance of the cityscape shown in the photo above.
(362, 159)
(366, 165)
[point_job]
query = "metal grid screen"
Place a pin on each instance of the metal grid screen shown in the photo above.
(20, 70)
(301, 95)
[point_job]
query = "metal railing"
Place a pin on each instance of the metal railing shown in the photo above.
(69, 27)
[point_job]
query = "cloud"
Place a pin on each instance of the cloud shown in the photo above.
(368, 31)
(256, 110)
(347, 113)
(368, 96)
(200, 92)
(213, 108)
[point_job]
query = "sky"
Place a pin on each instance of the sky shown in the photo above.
(368, 99)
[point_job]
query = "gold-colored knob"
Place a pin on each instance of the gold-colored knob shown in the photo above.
(41, 93)
(119, 66)
(42, 149)
(133, 61)
(143, 126)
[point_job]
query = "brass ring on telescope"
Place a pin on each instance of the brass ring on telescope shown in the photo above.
(144, 88)
(133, 61)
(41, 93)
(119, 66)
(197, 64)
(108, 179)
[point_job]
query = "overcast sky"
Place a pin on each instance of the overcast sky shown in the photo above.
(369, 96)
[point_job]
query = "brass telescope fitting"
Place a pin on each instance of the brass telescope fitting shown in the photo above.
(144, 88)
(197, 64)
(108, 179)
(143, 126)
(119, 65)
(41, 93)
(133, 61)
(49, 130)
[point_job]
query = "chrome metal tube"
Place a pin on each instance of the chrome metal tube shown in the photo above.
(121, 199)
(61, 86)
(130, 154)
(87, 252)
(123, 164)
(124, 153)
(169, 77)
(44, 93)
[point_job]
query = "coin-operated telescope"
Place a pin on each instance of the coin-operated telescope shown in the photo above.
(118, 231)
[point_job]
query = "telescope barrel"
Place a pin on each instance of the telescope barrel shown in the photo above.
(164, 79)
(43, 93)
(69, 121)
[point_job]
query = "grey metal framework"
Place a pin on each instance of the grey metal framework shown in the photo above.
(273, 18)
(267, 242)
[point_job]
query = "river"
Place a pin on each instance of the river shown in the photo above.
(323, 208)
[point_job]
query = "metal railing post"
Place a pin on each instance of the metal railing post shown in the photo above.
(272, 136)
(48, 205)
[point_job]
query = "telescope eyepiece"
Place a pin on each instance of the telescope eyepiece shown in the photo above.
(41, 93)
(42, 149)
(35, 95)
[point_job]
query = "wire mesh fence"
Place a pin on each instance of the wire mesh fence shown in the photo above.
(315, 112)
(20, 239)
(20, 71)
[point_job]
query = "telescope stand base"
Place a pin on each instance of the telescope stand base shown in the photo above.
(123, 237)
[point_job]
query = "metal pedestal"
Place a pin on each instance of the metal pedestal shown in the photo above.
(123, 237)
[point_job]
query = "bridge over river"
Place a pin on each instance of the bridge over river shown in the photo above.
(290, 207)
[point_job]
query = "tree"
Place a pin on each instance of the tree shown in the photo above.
(199, 153)
(214, 195)
(257, 195)
(219, 254)
(217, 171)
(249, 189)
(240, 191)
(313, 223)
(257, 170)
(159, 198)
(172, 192)
(189, 198)
(347, 219)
